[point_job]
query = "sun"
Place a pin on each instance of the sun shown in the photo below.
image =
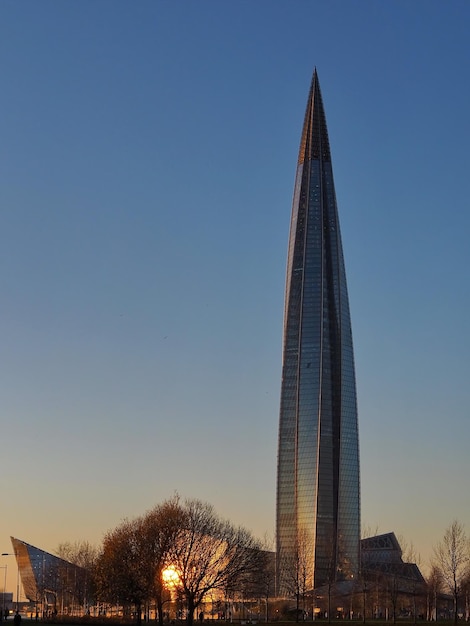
(170, 577)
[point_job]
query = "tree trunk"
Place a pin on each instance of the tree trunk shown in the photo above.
(159, 603)
(191, 609)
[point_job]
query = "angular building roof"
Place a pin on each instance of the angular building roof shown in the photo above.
(45, 576)
(383, 554)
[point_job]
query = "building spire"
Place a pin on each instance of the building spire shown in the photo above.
(314, 140)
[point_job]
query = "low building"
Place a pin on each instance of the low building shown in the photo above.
(52, 584)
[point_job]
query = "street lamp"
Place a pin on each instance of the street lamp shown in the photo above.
(4, 590)
(17, 578)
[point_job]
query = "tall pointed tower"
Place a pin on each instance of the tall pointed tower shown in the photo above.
(318, 500)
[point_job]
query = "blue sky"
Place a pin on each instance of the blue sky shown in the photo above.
(147, 161)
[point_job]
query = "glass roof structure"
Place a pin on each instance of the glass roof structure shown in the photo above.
(48, 580)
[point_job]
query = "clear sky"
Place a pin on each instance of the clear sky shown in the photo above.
(147, 161)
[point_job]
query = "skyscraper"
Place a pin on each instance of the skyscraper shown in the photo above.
(318, 500)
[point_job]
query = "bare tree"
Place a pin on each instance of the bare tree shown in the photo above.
(365, 578)
(81, 553)
(452, 556)
(408, 551)
(121, 567)
(205, 553)
(369, 531)
(267, 578)
(77, 583)
(466, 594)
(434, 586)
(159, 530)
(296, 570)
(410, 555)
(210, 554)
(394, 591)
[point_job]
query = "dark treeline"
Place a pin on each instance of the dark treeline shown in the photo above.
(179, 549)
(181, 557)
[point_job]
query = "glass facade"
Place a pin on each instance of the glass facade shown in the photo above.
(52, 584)
(318, 499)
